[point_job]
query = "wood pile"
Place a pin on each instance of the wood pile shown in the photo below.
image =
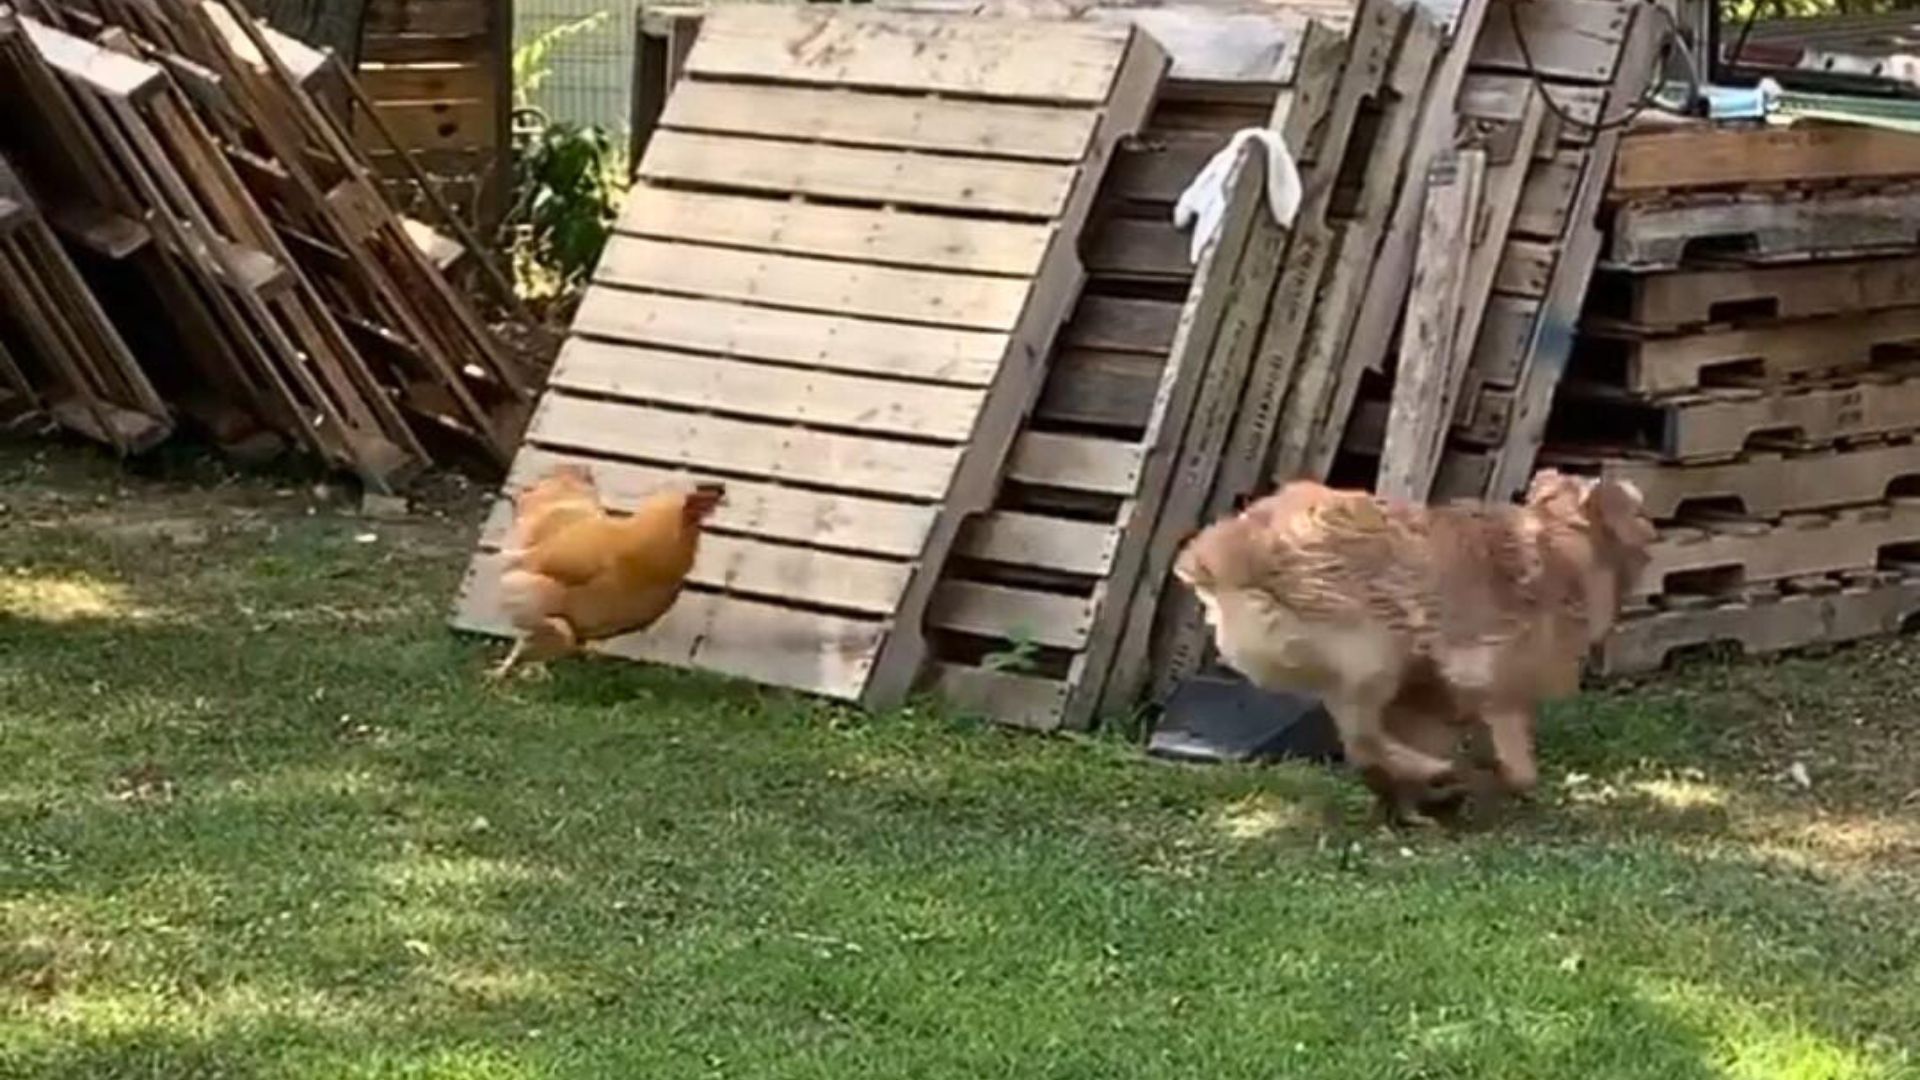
(1750, 358)
(259, 279)
(1409, 328)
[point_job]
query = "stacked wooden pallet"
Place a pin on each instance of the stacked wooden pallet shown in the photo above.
(266, 287)
(1750, 359)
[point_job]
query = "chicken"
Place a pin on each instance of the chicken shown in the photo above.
(1416, 625)
(574, 573)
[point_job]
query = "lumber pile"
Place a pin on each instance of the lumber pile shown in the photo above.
(1750, 358)
(261, 282)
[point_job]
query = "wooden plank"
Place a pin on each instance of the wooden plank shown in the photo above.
(1765, 485)
(1526, 268)
(1118, 324)
(1708, 156)
(1149, 249)
(747, 390)
(433, 125)
(104, 70)
(859, 346)
(735, 447)
(423, 48)
(1741, 553)
(892, 177)
(426, 82)
(1075, 463)
(895, 239)
(1683, 298)
(1579, 40)
(1432, 356)
(1007, 614)
(1723, 423)
(746, 639)
(1047, 61)
(1061, 545)
(852, 118)
(1158, 168)
(1656, 236)
(936, 298)
(1770, 353)
(774, 512)
(441, 18)
(1644, 644)
(1003, 696)
(1098, 388)
(1548, 195)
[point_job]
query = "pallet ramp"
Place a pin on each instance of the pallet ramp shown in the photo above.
(833, 287)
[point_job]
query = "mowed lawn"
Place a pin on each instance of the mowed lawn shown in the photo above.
(260, 817)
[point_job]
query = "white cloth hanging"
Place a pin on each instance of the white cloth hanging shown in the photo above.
(1204, 202)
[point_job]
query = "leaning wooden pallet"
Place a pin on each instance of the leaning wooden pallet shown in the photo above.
(1088, 485)
(835, 288)
(1571, 47)
(1217, 478)
(88, 381)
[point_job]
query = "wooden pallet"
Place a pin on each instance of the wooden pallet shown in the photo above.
(70, 361)
(1704, 155)
(1761, 485)
(1841, 223)
(1232, 451)
(1719, 556)
(1759, 355)
(1692, 298)
(835, 288)
(1867, 607)
(1719, 424)
(1611, 48)
(1130, 401)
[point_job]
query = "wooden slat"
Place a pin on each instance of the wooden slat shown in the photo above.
(734, 636)
(763, 451)
(1706, 156)
(1548, 195)
(976, 128)
(1107, 389)
(426, 82)
(1569, 39)
(104, 70)
(973, 302)
(974, 185)
(441, 18)
(1043, 543)
(1076, 463)
(1140, 248)
(796, 395)
(957, 357)
(1046, 61)
(432, 125)
(1122, 325)
(423, 48)
(896, 239)
(1432, 358)
(1004, 696)
(1006, 614)
(788, 514)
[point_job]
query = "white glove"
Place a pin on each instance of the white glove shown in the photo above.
(1205, 201)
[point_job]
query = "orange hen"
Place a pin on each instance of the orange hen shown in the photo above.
(575, 573)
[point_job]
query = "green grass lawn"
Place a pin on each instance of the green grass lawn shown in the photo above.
(260, 817)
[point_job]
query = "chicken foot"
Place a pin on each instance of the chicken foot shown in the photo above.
(548, 639)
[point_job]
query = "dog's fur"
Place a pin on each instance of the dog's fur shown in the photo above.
(1413, 624)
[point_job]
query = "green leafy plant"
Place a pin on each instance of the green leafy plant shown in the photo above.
(1019, 656)
(566, 178)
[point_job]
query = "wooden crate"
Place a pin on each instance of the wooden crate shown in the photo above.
(439, 73)
(835, 288)
(1718, 556)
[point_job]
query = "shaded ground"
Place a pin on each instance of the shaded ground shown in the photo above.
(260, 818)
